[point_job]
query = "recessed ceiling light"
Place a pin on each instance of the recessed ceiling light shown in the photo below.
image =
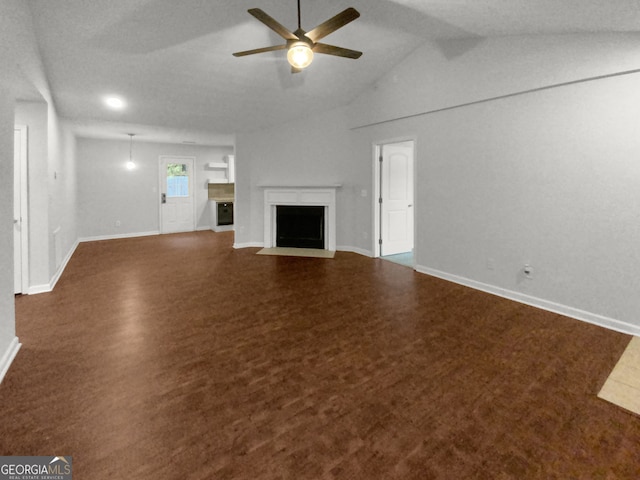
(115, 103)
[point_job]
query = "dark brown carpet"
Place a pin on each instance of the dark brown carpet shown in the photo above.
(177, 357)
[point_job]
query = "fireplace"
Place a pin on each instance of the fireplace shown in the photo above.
(300, 226)
(322, 199)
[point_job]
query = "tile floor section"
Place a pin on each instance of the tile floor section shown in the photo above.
(405, 259)
(622, 388)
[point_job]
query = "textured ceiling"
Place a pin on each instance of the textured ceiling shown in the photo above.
(171, 60)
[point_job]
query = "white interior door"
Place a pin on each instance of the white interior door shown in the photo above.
(177, 194)
(20, 223)
(396, 191)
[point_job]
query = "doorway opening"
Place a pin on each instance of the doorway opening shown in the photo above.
(20, 211)
(394, 201)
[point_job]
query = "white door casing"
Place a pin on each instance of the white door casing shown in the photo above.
(396, 189)
(20, 221)
(177, 193)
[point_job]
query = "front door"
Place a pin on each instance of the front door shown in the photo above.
(176, 194)
(396, 188)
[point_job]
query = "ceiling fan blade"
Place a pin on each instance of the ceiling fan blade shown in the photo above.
(333, 24)
(337, 51)
(260, 50)
(272, 24)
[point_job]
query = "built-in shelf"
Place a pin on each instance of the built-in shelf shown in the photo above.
(224, 171)
(215, 165)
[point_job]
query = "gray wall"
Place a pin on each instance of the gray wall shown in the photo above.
(52, 192)
(545, 179)
(62, 188)
(7, 309)
(526, 153)
(315, 152)
(22, 76)
(108, 192)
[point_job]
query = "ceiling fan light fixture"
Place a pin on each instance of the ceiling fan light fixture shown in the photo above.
(300, 55)
(301, 45)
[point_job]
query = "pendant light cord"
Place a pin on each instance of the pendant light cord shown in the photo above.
(299, 27)
(131, 146)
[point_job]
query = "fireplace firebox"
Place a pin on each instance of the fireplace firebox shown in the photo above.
(300, 226)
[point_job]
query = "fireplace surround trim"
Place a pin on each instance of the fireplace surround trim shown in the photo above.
(324, 196)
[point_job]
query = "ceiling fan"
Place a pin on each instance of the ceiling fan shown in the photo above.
(301, 45)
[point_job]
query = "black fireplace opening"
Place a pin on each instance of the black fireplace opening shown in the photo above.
(300, 226)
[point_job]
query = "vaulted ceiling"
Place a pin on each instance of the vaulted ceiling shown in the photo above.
(171, 60)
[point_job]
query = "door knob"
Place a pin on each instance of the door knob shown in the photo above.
(164, 198)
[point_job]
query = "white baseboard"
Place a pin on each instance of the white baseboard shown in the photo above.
(223, 228)
(202, 229)
(63, 265)
(121, 235)
(36, 289)
(249, 245)
(48, 287)
(359, 251)
(7, 359)
(593, 318)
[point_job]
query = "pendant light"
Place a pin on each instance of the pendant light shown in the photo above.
(130, 164)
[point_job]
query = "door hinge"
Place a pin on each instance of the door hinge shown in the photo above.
(380, 158)
(380, 200)
(379, 241)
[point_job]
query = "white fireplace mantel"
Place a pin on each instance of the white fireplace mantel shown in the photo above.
(323, 195)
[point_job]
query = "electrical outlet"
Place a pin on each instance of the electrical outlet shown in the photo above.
(491, 263)
(118, 223)
(528, 271)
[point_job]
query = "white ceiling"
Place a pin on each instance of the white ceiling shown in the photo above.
(171, 59)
